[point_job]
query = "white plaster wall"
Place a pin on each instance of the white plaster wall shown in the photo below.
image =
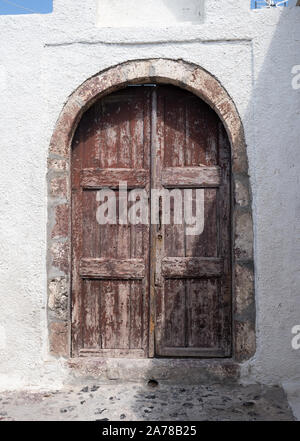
(44, 58)
(137, 13)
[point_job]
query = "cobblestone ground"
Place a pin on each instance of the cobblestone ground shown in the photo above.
(136, 402)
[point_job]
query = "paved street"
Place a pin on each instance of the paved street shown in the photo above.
(143, 402)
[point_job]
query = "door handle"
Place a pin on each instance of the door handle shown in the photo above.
(160, 213)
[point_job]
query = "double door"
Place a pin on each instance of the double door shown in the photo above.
(151, 253)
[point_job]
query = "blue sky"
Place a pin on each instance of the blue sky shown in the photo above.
(12, 7)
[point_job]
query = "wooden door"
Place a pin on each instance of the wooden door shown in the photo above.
(140, 291)
(110, 274)
(192, 272)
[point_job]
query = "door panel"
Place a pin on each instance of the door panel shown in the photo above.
(192, 277)
(110, 261)
(141, 290)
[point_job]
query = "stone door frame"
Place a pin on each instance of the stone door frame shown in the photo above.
(204, 85)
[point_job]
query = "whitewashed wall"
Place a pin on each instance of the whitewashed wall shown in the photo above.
(43, 58)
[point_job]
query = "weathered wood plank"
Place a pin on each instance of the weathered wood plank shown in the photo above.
(224, 325)
(175, 323)
(157, 304)
(207, 243)
(136, 314)
(187, 177)
(112, 353)
(91, 314)
(203, 312)
(112, 268)
(192, 352)
(191, 267)
(77, 285)
(99, 178)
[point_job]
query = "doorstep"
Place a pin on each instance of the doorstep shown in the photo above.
(162, 370)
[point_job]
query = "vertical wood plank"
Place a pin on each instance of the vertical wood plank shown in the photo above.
(76, 232)
(225, 228)
(175, 323)
(91, 314)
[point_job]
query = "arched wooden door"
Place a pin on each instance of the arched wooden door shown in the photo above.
(151, 289)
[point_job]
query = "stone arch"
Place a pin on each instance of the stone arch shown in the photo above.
(200, 82)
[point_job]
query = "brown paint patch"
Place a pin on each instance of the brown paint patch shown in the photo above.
(57, 165)
(58, 187)
(60, 255)
(61, 227)
(245, 343)
(59, 339)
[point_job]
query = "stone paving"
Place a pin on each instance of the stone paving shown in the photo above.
(148, 403)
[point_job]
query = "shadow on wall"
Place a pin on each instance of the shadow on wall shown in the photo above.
(273, 111)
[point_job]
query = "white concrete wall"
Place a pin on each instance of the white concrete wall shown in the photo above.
(137, 13)
(44, 58)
